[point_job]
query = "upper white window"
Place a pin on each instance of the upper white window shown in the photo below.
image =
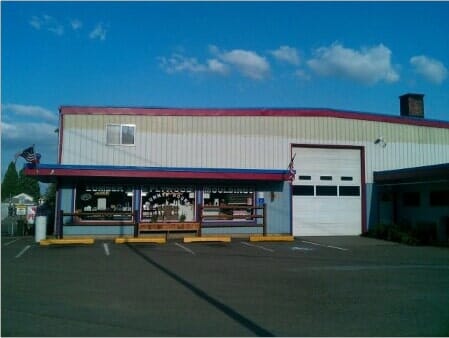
(120, 134)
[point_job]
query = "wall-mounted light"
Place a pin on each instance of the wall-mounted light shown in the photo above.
(381, 142)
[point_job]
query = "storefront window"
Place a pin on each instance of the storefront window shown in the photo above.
(227, 203)
(104, 203)
(168, 204)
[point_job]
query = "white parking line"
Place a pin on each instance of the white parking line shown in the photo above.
(338, 248)
(185, 248)
(299, 248)
(326, 246)
(9, 243)
(23, 251)
(106, 249)
(257, 246)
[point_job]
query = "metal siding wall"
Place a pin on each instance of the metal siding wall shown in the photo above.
(246, 142)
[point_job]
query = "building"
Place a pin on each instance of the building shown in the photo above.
(216, 166)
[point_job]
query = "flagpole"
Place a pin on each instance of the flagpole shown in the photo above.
(36, 159)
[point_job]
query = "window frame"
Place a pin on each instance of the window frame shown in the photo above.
(243, 206)
(105, 193)
(439, 198)
(154, 212)
(121, 127)
(411, 199)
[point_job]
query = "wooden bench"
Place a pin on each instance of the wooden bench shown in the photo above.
(169, 227)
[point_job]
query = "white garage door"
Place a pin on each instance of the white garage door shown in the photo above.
(327, 192)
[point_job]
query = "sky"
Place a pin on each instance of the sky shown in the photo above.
(353, 56)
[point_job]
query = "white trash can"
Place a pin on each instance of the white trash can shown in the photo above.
(40, 228)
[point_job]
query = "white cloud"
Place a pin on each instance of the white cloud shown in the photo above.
(48, 23)
(368, 65)
(30, 111)
(286, 54)
(218, 67)
(36, 22)
(99, 32)
(179, 63)
(76, 24)
(248, 63)
(432, 70)
(37, 131)
(302, 74)
(38, 128)
(17, 136)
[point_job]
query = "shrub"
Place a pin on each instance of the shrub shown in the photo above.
(401, 233)
(425, 232)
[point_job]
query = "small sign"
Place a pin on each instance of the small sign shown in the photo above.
(21, 210)
(260, 201)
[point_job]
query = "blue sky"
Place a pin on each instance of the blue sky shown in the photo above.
(352, 56)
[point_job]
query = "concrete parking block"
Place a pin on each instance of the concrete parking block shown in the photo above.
(155, 240)
(271, 238)
(225, 239)
(65, 241)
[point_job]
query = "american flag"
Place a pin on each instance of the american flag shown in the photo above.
(29, 155)
(291, 169)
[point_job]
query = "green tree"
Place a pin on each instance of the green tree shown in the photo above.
(50, 196)
(10, 183)
(29, 185)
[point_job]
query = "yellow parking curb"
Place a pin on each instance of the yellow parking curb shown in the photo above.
(226, 239)
(271, 238)
(67, 241)
(157, 240)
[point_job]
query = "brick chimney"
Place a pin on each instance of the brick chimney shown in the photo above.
(412, 105)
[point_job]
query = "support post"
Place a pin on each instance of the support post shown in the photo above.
(60, 233)
(264, 214)
(136, 224)
(199, 217)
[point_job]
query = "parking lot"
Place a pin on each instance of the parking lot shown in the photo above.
(322, 286)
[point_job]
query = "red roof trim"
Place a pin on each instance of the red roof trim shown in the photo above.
(281, 112)
(48, 173)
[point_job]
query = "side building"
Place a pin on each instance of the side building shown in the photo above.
(117, 166)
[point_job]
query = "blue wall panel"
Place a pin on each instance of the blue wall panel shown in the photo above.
(278, 200)
(99, 230)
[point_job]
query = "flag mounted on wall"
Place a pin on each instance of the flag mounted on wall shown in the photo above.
(291, 169)
(29, 155)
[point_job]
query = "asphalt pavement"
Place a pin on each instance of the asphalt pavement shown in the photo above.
(314, 286)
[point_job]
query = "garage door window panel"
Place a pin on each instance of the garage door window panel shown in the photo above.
(303, 190)
(326, 190)
(349, 190)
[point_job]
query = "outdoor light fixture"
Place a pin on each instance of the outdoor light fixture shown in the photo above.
(380, 140)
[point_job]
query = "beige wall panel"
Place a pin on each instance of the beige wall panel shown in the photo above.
(246, 142)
